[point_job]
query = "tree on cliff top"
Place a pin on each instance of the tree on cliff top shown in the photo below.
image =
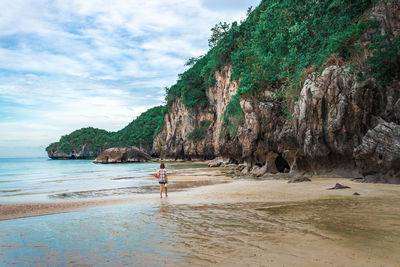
(218, 32)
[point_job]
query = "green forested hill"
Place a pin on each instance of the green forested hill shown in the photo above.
(138, 133)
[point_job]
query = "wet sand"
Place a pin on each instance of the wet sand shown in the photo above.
(247, 222)
(273, 223)
(71, 201)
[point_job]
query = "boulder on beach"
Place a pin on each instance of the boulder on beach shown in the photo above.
(218, 162)
(339, 186)
(122, 155)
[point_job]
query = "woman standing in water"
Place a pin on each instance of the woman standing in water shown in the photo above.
(162, 179)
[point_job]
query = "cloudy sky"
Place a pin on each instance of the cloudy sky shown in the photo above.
(70, 64)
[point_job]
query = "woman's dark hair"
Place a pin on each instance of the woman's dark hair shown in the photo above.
(162, 166)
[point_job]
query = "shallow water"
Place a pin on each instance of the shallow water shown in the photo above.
(41, 179)
(334, 232)
(98, 236)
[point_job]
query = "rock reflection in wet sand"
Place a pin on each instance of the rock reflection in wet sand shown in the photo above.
(253, 234)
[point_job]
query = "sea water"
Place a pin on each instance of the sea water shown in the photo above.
(134, 233)
(129, 234)
(43, 179)
(138, 234)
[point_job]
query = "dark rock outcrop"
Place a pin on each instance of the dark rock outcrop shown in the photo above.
(218, 162)
(83, 153)
(122, 155)
(379, 152)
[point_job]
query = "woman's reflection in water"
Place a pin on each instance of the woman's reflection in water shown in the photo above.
(164, 209)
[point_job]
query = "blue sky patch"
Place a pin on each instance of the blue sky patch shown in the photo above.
(71, 64)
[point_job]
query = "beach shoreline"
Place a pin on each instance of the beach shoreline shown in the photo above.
(295, 224)
(211, 186)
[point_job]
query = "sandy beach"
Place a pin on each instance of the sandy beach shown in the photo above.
(267, 221)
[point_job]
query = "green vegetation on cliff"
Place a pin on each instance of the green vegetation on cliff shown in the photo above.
(198, 133)
(279, 42)
(93, 137)
(139, 133)
(234, 115)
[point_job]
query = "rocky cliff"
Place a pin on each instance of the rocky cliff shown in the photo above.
(174, 140)
(84, 152)
(339, 123)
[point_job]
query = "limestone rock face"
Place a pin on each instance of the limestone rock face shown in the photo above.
(379, 152)
(334, 111)
(83, 153)
(338, 125)
(173, 141)
(122, 155)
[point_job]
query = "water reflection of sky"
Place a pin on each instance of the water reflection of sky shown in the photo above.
(158, 233)
(38, 179)
(161, 233)
(112, 235)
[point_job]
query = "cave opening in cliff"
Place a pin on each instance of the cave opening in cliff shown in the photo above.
(281, 164)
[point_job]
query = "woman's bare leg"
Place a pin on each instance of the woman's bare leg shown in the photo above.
(161, 188)
(166, 194)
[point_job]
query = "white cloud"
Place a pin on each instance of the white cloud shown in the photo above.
(71, 64)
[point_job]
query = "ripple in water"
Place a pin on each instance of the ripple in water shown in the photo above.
(253, 234)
